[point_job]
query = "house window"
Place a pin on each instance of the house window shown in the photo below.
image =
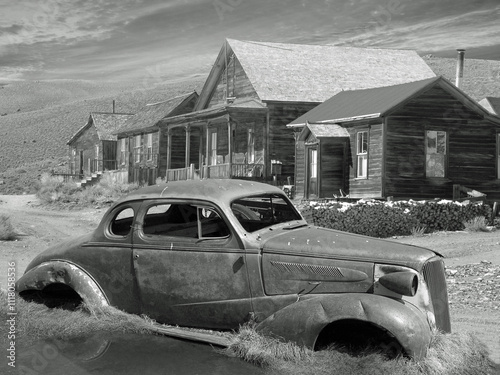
(251, 147)
(213, 148)
(435, 153)
(362, 154)
(123, 151)
(97, 151)
(149, 147)
(137, 148)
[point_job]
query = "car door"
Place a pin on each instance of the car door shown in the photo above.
(190, 266)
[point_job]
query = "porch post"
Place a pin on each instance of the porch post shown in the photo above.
(169, 148)
(229, 145)
(267, 156)
(188, 145)
(200, 153)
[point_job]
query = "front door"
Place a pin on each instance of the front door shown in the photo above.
(312, 173)
(190, 268)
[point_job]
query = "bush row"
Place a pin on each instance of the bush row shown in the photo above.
(386, 219)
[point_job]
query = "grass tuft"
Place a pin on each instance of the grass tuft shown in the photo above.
(7, 232)
(418, 231)
(476, 224)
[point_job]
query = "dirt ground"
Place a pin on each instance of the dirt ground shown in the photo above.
(472, 260)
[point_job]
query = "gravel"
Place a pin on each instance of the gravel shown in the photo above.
(474, 285)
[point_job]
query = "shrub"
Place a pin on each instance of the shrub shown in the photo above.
(476, 224)
(6, 230)
(386, 219)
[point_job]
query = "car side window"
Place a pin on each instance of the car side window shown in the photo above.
(184, 220)
(122, 222)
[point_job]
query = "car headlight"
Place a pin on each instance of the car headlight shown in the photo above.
(400, 280)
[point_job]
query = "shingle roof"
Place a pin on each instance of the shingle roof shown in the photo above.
(104, 123)
(313, 73)
(322, 131)
(151, 114)
(491, 104)
(481, 78)
(359, 103)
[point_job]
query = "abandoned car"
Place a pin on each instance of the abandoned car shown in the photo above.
(218, 253)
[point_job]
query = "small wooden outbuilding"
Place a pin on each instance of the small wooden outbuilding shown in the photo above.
(93, 147)
(414, 140)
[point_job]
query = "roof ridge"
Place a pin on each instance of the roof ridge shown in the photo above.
(170, 99)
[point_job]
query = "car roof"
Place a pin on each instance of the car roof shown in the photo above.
(221, 191)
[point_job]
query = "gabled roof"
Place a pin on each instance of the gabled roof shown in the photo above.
(491, 104)
(104, 123)
(151, 114)
(323, 131)
(313, 73)
(377, 102)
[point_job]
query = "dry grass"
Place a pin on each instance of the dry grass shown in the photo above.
(477, 224)
(451, 354)
(52, 190)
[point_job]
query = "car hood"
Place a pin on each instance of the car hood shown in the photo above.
(332, 244)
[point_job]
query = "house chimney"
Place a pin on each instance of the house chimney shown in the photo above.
(113, 106)
(460, 67)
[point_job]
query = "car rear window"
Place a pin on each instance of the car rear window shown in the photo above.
(122, 222)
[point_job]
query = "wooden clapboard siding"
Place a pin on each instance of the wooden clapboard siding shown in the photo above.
(333, 167)
(238, 85)
(281, 139)
(370, 187)
(300, 169)
(471, 151)
(178, 148)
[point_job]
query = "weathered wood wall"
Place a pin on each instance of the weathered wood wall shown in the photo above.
(281, 138)
(471, 150)
(238, 85)
(333, 168)
(86, 142)
(370, 187)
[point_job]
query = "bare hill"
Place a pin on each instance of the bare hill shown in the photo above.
(38, 118)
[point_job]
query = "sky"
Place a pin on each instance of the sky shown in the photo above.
(131, 40)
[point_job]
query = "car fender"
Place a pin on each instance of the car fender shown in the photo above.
(63, 272)
(303, 321)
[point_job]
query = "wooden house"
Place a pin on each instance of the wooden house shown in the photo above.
(238, 126)
(414, 140)
(93, 147)
(139, 153)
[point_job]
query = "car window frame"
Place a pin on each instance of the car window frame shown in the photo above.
(204, 241)
(113, 213)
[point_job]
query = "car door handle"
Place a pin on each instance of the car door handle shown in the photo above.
(136, 256)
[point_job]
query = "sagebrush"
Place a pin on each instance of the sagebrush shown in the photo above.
(7, 232)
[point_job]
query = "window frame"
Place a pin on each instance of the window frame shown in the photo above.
(123, 151)
(363, 155)
(138, 148)
(427, 154)
(213, 147)
(250, 146)
(149, 147)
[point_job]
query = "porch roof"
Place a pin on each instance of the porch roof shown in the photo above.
(239, 105)
(148, 117)
(323, 131)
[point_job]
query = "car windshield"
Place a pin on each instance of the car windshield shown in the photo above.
(261, 211)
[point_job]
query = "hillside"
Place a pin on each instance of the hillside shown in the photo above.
(38, 118)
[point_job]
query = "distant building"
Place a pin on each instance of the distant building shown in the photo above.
(93, 147)
(141, 147)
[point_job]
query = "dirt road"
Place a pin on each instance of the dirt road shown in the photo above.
(472, 260)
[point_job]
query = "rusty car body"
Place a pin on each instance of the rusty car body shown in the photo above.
(217, 253)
